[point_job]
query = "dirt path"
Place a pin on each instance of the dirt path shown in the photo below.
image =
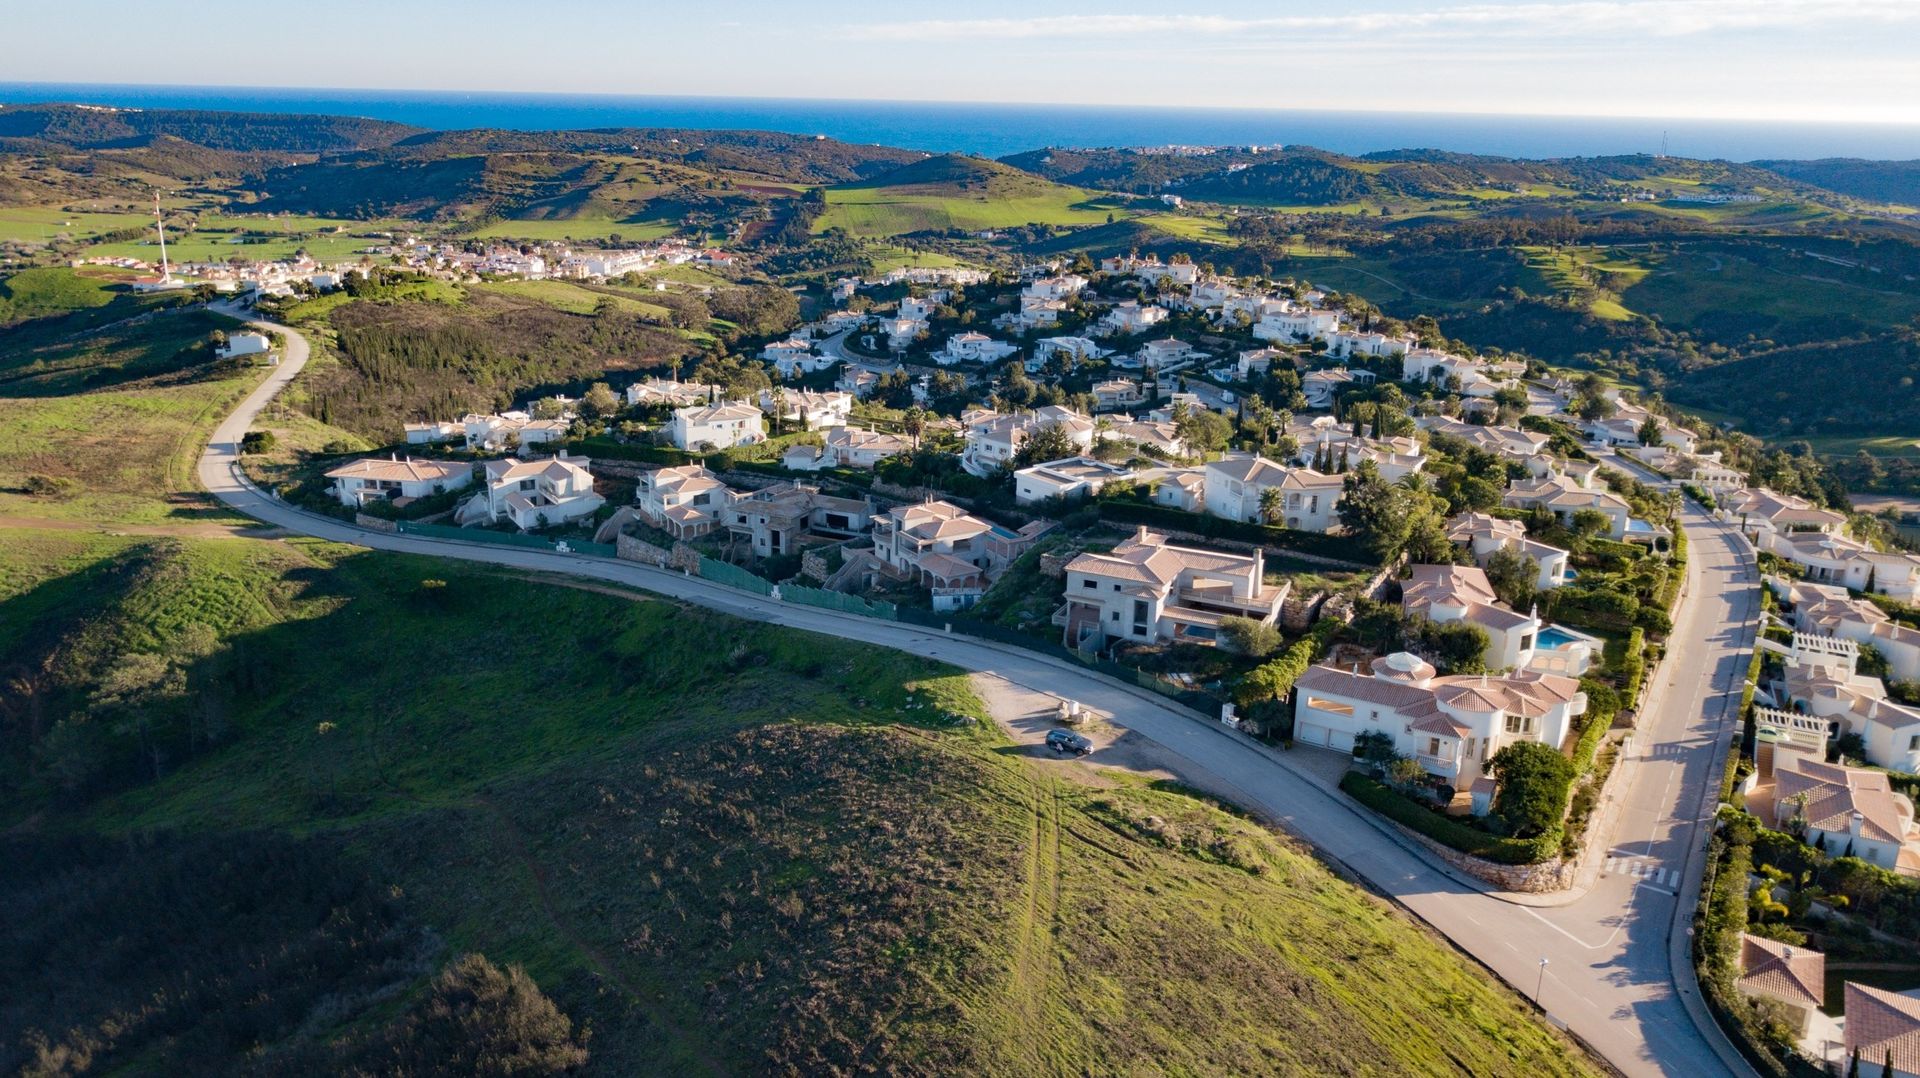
(185, 531)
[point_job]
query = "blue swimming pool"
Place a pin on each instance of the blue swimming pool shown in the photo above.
(1553, 637)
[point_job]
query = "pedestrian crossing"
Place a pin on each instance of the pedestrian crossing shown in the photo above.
(1644, 870)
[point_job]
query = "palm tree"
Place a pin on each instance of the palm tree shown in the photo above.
(1272, 505)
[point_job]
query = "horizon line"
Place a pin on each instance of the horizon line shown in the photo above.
(614, 95)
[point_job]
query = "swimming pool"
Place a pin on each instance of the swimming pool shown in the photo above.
(1553, 637)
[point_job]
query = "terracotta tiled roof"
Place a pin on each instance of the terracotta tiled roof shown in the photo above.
(1777, 970)
(1880, 1023)
(398, 471)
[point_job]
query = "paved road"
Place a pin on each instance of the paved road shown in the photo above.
(1611, 954)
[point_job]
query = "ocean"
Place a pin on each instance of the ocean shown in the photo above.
(996, 130)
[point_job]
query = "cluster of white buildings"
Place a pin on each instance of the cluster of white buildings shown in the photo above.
(1816, 540)
(528, 494)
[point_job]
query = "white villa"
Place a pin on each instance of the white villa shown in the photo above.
(246, 344)
(433, 433)
(816, 411)
(795, 356)
(1452, 725)
(1116, 394)
(992, 441)
(1073, 477)
(685, 501)
(1296, 324)
(1063, 286)
(1129, 316)
(1509, 442)
(939, 546)
(1450, 593)
(534, 493)
(1837, 559)
(1345, 342)
(716, 426)
(1258, 361)
(1150, 590)
(847, 447)
(1882, 1023)
(1829, 610)
(1821, 682)
(1045, 347)
(1308, 498)
(972, 347)
(1564, 496)
(1322, 388)
(1793, 976)
(1847, 811)
(394, 478)
(1483, 535)
(1396, 458)
(667, 391)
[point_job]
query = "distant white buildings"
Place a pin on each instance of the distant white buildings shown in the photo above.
(794, 356)
(663, 391)
(814, 411)
(847, 447)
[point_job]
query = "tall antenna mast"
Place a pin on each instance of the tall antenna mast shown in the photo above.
(1663, 144)
(160, 226)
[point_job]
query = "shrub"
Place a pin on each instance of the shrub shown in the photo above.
(1446, 831)
(1274, 680)
(1249, 637)
(1534, 780)
(258, 441)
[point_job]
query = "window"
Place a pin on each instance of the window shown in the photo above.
(1433, 746)
(1090, 584)
(1913, 743)
(1331, 707)
(1519, 724)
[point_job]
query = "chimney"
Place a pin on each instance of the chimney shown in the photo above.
(1853, 824)
(1140, 534)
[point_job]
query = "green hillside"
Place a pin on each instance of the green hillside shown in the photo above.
(722, 849)
(954, 192)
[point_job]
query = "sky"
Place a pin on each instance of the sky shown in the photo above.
(1835, 60)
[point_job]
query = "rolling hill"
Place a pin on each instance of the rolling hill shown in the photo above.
(955, 192)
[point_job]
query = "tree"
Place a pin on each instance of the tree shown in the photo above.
(1513, 576)
(1273, 505)
(1203, 429)
(1588, 523)
(548, 408)
(1650, 433)
(1050, 442)
(600, 402)
(1378, 513)
(1249, 637)
(914, 423)
(1534, 779)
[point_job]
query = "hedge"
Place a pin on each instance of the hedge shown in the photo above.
(1161, 516)
(1449, 832)
(1633, 667)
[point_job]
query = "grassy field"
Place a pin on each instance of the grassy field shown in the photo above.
(724, 848)
(1189, 226)
(882, 211)
(575, 228)
(575, 299)
(44, 224)
(1762, 284)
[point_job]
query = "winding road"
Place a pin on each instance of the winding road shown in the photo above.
(1609, 963)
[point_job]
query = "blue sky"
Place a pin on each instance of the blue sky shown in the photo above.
(1848, 60)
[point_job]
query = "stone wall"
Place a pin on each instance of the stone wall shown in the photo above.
(377, 524)
(628, 548)
(684, 558)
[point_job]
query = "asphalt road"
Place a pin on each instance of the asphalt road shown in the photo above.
(1616, 968)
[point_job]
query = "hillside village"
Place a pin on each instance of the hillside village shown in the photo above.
(1453, 572)
(1332, 530)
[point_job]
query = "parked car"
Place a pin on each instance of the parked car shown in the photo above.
(1068, 741)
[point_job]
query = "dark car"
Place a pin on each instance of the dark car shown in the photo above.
(1068, 741)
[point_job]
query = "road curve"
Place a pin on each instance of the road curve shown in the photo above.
(1616, 972)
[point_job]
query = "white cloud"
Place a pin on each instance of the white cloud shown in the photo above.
(1579, 17)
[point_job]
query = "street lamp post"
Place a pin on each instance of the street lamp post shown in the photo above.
(1542, 982)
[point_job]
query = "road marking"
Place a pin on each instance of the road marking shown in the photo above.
(1589, 946)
